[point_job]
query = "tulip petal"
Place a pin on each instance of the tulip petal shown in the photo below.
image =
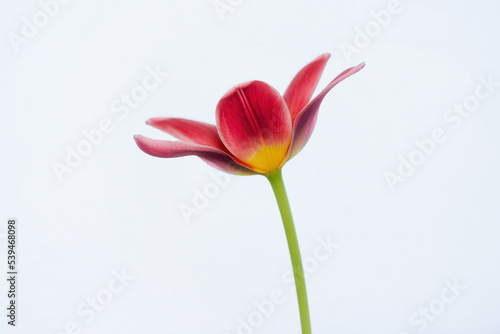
(302, 87)
(189, 131)
(174, 149)
(255, 125)
(305, 121)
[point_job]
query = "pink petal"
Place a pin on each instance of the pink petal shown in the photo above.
(305, 121)
(189, 131)
(302, 87)
(255, 125)
(174, 149)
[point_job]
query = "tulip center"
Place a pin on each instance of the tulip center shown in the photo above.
(268, 158)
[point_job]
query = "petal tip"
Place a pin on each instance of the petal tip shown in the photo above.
(138, 138)
(322, 58)
(238, 86)
(140, 142)
(325, 56)
(153, 120)
(352, 70)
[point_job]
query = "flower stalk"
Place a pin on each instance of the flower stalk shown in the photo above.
(276, 180)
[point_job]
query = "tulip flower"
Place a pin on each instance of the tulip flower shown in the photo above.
(258, 130)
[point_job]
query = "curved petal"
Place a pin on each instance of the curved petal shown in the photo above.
(255, 125)
(302, 87)
(174, 149)
(189, 131)
(305, 121)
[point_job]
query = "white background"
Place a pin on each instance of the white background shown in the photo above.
(119, 208)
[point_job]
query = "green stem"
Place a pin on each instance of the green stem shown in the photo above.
(276, 180)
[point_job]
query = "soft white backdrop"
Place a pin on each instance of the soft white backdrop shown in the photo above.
(118, 209)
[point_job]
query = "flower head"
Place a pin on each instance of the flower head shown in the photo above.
(257, 131)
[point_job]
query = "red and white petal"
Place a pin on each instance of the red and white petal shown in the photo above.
(305, 121)
(189, 131)
(174, 149)
(255, 125)
(301, 89)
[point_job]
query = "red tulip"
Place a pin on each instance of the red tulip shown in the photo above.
(257, 131)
